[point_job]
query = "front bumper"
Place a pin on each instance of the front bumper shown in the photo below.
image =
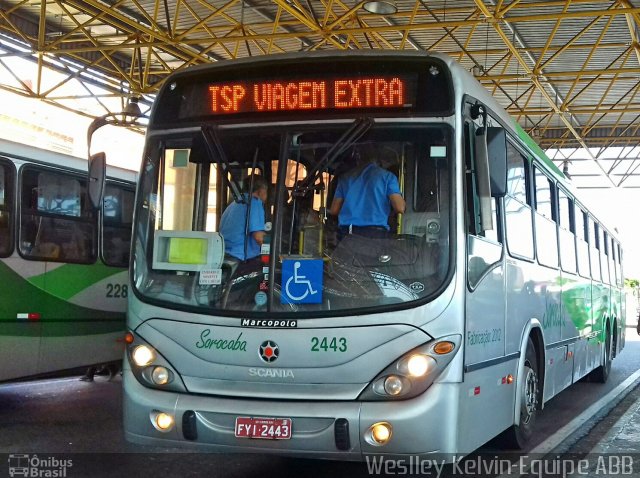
(421, 426)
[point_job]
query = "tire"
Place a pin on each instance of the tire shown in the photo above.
(601, 374)
(518, 435)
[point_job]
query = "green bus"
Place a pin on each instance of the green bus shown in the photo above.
(62, 264)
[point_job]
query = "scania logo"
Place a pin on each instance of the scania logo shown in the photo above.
(269, 351)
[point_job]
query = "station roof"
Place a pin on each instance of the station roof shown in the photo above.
(567, 70)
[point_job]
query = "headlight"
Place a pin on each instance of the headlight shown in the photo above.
(414, 372)
(418, 365)
(143, 355)
(393, 385)
(161, 376)
(152, 369)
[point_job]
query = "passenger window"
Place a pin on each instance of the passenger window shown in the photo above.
(582, 246)
(619, 264)
(565, 206)
(543, 190)
(566, 233)
(117, 213)
(518, 214)
(7, 181)
(57, 223)
(594, 246)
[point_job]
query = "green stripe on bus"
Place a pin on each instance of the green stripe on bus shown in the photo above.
(58, 317)
(71, 279)
(533, 146)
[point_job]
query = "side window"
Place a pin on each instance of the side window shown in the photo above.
(7, 186)
(57, 223)
(543, 190)
(117, 214)
(518, 214)
(604, 255)
(484, 246)
(566, 233)
(565, 207)
(619, 263)
(546, 230)
(582, 246)
(580, 224)
(594, 247)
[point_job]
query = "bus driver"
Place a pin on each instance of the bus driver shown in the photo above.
(364, 198)
(233, 221)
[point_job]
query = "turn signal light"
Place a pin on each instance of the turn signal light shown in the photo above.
(443, 347)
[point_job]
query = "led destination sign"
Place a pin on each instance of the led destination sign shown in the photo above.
(324, 87)
(379, 92)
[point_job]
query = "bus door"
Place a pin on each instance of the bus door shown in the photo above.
(485, 310)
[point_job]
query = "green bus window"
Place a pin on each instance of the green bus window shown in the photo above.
(6, 210)
(57, 223)
(117, 216)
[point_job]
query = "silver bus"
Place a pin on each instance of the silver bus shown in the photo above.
(493, 291)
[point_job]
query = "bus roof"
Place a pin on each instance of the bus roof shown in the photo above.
(33, 154)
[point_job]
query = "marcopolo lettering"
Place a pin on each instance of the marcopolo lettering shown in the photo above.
(270, 323)
(220, 344)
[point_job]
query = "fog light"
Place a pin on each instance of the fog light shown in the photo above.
(417, 365)
(160, 376)
(393, 385)
(380, 433)
(164, 421)
(142, 355)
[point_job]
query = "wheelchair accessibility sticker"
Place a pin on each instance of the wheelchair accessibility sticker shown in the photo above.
(302, 281)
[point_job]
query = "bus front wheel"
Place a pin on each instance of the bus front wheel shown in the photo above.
(528, 388)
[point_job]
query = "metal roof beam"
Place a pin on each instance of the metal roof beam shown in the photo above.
(534, 77)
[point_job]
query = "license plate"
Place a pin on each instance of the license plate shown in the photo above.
(266, 428)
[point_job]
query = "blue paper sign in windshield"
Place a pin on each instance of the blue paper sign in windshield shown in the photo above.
(302, 281)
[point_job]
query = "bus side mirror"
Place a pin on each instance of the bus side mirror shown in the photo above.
(97, 174)
(497, 156)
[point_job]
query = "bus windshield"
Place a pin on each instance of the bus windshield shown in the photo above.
(245, 222)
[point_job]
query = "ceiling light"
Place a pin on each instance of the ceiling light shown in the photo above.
(386, 7)
(132, 108)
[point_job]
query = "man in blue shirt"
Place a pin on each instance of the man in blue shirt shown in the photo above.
(364, 199)
(233, 221)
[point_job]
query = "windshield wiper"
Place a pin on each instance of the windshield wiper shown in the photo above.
(215, 149)
(357, 129)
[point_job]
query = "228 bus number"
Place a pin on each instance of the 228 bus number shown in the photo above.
(117, 291)
(337, 344)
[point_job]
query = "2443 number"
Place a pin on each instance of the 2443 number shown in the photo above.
(324, 344)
